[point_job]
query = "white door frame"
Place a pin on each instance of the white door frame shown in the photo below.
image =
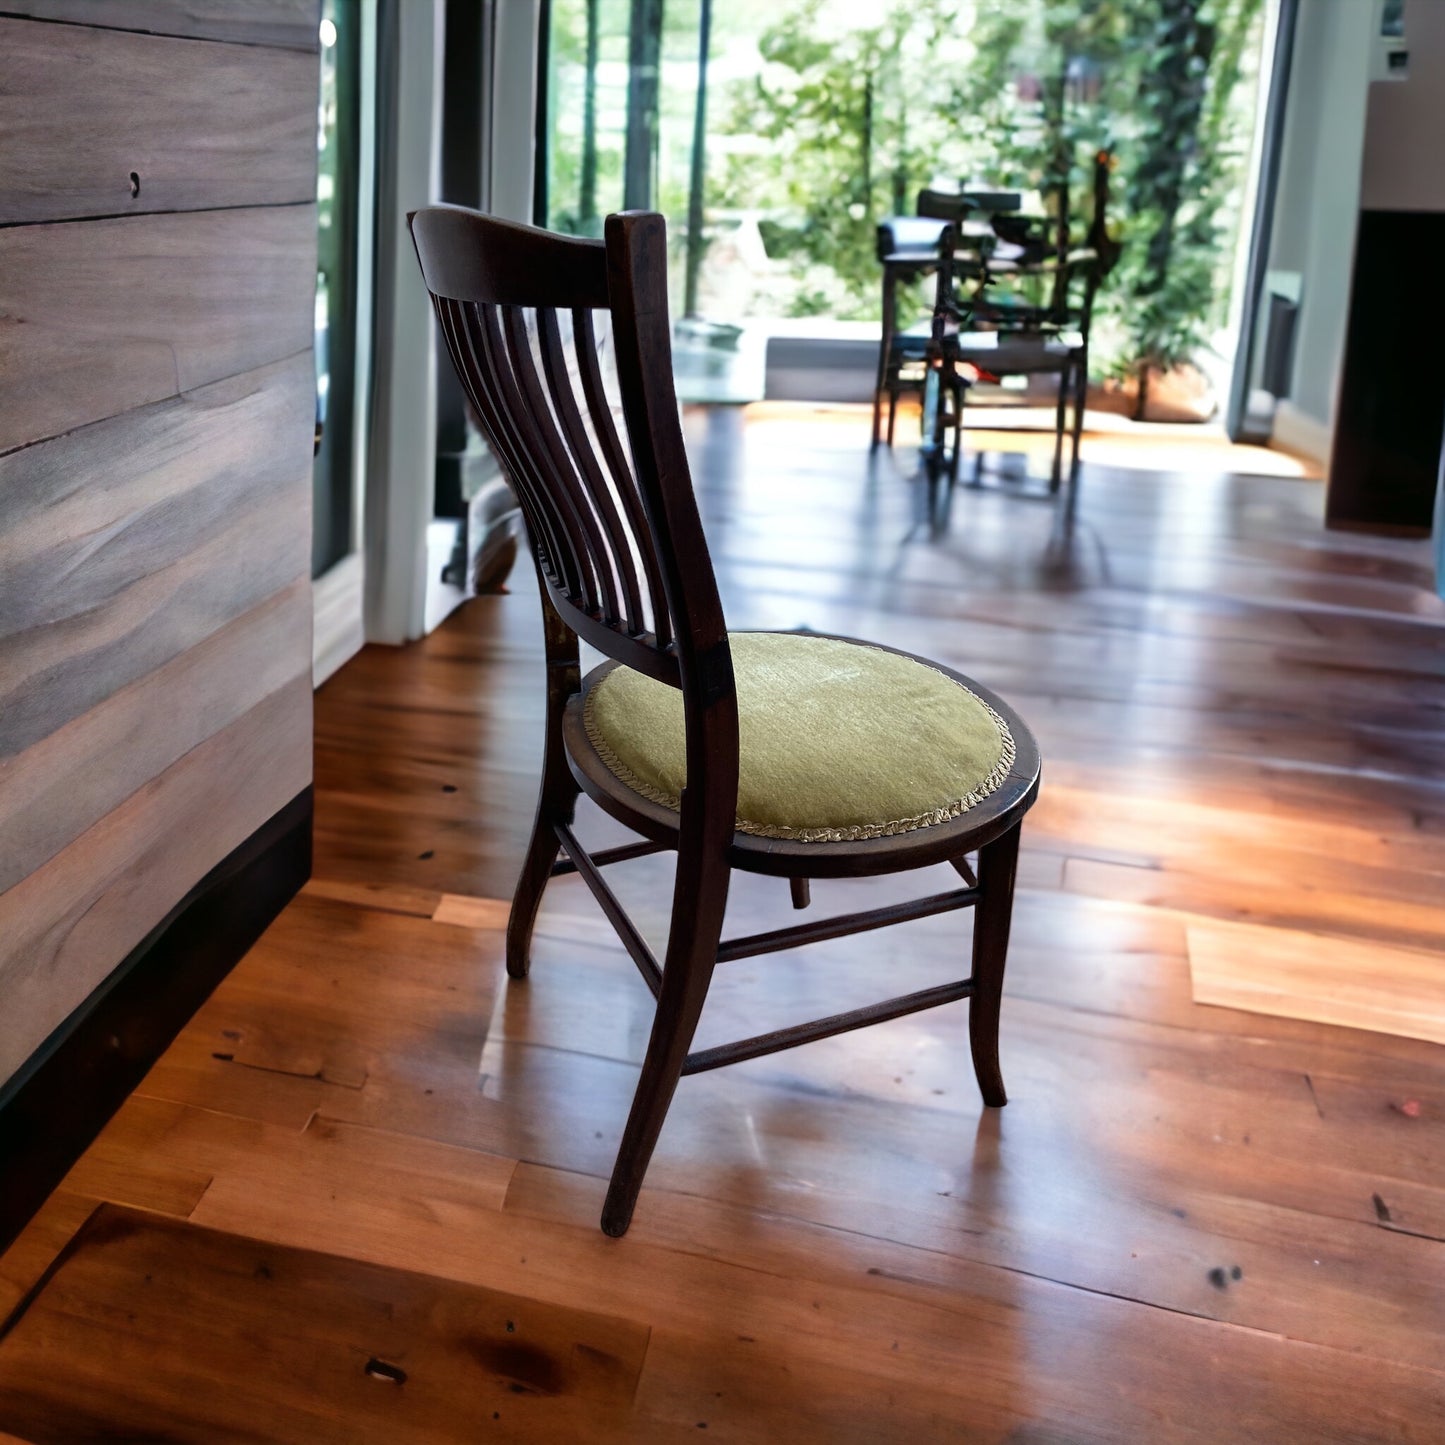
(387, 582)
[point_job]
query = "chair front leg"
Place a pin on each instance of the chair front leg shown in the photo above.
(699, 901)
(557, 797)
(997, 865)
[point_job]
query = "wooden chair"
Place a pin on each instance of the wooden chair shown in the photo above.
(623, 564)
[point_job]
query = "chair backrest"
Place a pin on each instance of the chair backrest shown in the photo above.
(615, 529)
(944, 205)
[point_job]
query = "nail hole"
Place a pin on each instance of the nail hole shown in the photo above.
(381, 1370)
(135, 183)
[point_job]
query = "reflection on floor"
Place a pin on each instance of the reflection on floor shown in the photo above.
(1191, 1222)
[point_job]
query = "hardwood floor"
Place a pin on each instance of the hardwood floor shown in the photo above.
(1191, 1222)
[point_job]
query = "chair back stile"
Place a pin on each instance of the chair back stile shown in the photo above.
(615, 531)
(637, 277)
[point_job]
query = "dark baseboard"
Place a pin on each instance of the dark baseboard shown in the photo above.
(66, 1093)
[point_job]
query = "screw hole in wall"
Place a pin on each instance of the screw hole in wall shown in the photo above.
(135, 183)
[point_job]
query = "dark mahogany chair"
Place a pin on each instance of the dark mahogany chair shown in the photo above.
(794, 755)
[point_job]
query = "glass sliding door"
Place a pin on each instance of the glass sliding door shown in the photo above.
(818, 119)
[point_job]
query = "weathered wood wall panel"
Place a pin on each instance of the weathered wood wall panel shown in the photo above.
(128, 541)
(287, 23)
(54, 790)
(157, 403)
(107, 315)
(150, 124)
(100, 896)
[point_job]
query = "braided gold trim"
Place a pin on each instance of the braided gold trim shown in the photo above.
(855, 834)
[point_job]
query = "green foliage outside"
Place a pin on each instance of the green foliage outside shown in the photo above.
(834, 113)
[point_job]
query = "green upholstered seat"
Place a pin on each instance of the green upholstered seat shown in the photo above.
(838, 740)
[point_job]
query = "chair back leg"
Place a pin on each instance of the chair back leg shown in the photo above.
(997, 864)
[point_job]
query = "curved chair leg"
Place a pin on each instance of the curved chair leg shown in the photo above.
(699, 901)
(997, 864)
(556, 798)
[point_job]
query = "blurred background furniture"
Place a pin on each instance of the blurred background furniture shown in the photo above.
(1014, 298)
(907, 251)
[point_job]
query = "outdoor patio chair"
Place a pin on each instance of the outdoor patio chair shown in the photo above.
(907, 249)
(798, 756)
(1004, 333)
(1029, 342)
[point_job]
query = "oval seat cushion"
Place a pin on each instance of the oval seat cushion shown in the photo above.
(838, 741)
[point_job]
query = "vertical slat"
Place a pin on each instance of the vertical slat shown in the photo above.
(540, 432)
(453, 317)
(562, 574)
(512, 407)
(622, 476)
(524, 478)
(564, 405)
(511, 410)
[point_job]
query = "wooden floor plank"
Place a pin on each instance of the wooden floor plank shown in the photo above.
(827, 1305)
(31, 1253)
(1146, 1220)
(226, 1338)
(1328, 980)
(465, 912)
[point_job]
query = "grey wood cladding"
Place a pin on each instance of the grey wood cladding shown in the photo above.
(108, 315)
(69, 923)
(54, 791)
(289, 23)
(157, 402)
(128, 541)
(156, 125)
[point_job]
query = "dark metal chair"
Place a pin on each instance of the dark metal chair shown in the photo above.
(1000, 341)
(908, 249)
(1005, 332)
(623, 564)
